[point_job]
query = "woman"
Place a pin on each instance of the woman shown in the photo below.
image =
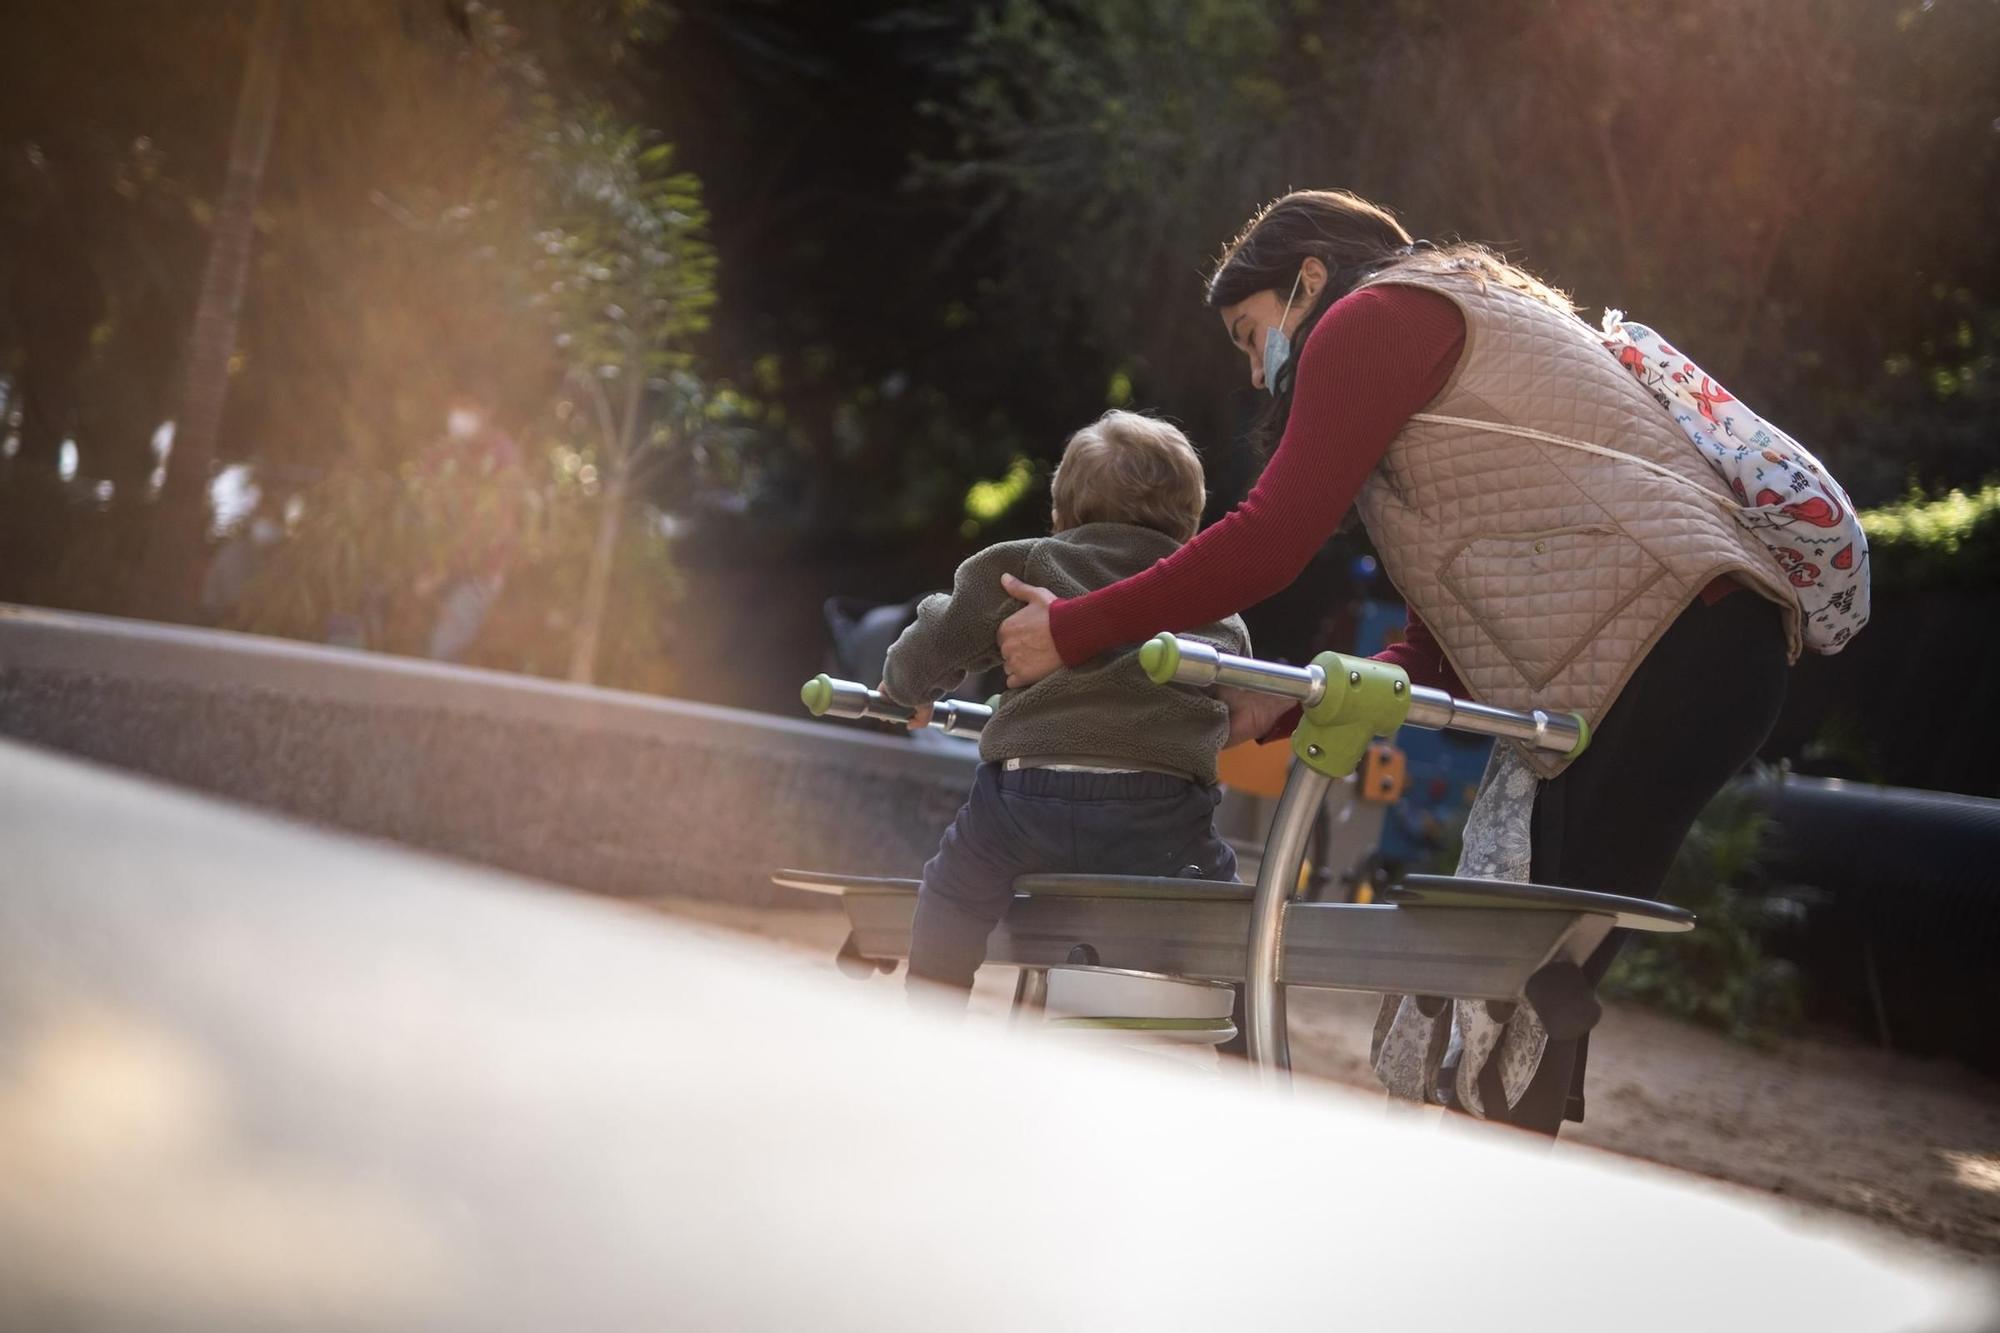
(1537, 575)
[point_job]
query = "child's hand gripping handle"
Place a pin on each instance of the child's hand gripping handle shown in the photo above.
(1170, 659)
(824, 696)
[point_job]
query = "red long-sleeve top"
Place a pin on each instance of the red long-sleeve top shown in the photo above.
(1375, 358)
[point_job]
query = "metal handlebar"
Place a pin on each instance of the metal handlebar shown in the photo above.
(1168, 657)
(824, 696)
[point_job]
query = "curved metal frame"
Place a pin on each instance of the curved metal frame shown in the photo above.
(1277, 883)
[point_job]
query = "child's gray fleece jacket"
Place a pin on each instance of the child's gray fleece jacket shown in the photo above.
(1104, 709)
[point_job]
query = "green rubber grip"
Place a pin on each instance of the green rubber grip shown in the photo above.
(1582, 736)
(817, 694)
(1161, 658)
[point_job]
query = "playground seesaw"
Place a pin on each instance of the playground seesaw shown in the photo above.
(1161, 955)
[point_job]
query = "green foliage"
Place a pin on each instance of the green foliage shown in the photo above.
(372, 553)
(1718, 170)
(1109, 148)
(1718, 975)
(988, 501)
(536, 623)
(360, 544)
(952, 232)
(623, 272)
(428, 160)
(470, 231)
(1947, 541)
(1924, 418)
(626, 277)
(1842, 746)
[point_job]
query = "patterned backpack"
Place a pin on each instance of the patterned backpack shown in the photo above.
(1785, 497)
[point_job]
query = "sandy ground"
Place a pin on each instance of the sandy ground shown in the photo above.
(1908, 1144)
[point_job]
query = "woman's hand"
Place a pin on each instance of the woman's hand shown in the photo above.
(1026, 646)
(1252, 713)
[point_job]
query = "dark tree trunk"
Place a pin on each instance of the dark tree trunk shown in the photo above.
(180, 525)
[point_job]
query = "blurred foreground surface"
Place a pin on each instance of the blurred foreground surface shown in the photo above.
(1824, 1121)
(260, 1076)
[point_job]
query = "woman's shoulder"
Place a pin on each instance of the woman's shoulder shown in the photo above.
(1390, 304)
(1400, 320)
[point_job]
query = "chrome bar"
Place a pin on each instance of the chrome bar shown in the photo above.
(1306, 684)
(1430, 709)
(1434, 710)
(956, 717)
(851, 699)
(1277, 882)
(1202, 664)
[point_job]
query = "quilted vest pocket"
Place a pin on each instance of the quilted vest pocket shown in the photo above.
(1543, 597)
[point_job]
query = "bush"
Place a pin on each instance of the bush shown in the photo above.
(376, 550)
(1951, 541)
(1719, 975)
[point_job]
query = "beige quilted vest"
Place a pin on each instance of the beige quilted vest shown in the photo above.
(1547, 572)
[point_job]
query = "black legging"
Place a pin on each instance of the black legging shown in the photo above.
(1697, 709)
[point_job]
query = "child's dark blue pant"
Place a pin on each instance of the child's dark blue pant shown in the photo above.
(1039, 821)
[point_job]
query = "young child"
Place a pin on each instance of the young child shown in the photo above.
(1095, 770)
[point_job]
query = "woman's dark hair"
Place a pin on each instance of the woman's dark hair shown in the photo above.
(1356, 240)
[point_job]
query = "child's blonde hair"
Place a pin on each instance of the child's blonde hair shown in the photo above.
(1128, 468)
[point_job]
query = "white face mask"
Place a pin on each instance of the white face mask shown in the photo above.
(1278, 343)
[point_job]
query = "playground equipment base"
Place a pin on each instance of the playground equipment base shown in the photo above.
(1435, 935)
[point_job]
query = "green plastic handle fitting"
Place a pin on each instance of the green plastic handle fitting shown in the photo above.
(817, 694)
(1363, 699)
(1161, 658)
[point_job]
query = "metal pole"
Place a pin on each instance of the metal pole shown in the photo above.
(1277, 881)
(1031, 995)
(1307, 684)
(1203, 664)
(824, 696)
(1193, 662)
(1435, 710)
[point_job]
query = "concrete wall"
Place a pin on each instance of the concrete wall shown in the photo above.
(619, 793)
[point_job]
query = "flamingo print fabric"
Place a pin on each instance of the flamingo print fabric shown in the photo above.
(1788, 499)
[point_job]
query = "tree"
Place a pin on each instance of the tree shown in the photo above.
(452, 224)
(627, 280)
(1803, 197)
(180, 523)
